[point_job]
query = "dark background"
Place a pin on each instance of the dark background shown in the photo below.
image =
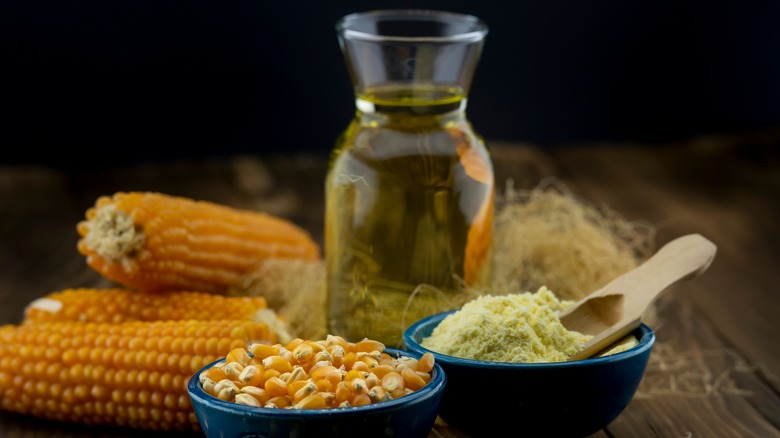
(100, 82)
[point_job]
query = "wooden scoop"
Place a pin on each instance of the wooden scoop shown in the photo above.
(616, 309)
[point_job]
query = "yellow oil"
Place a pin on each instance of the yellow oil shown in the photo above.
(409, 212)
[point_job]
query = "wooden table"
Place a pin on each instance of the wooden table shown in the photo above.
(715, 371)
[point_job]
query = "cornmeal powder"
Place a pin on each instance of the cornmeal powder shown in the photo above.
(521, 327)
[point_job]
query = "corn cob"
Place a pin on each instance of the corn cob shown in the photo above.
(155, 242)
(123, 305)
(131, 374)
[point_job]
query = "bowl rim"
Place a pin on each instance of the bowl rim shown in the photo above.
(201, 399)
(646, 339)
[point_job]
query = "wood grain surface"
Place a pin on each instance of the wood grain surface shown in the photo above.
(715, 370)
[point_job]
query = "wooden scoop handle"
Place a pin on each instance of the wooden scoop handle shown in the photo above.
(617, 308)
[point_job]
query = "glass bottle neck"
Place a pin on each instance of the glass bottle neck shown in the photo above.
(411, 100)
(366, 106)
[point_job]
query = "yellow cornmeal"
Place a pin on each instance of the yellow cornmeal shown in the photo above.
(627, 343)
(521, 327)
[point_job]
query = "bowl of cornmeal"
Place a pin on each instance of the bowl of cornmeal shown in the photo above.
(505, 358)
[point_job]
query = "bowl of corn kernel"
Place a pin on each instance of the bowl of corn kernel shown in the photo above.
(507, 369)
(323, 388)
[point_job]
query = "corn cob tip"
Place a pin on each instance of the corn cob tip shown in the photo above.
(112, 234)
(45, 305)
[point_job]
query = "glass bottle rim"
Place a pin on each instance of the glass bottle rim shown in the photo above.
(354, 26)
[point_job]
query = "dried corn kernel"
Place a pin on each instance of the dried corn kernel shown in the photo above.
(294, 379)
(275, 387)
(261, 351)
(233, 370)
(324, 385)
(361, 399)
(277, 363)
(278, 402)
(354, 374)
(238, 355)
(394, 383)
(304, 391)
(246, 399)
(344, 392)
(372, 380)
(381, 370)
(297, 373)
(228, 392)
(360, 365)
(320, 369)
(378, 394)
(251, 376)
(359, 386)
(425, 364)
(258, 393)
(293, 387)
(313, 401)
(411, 379)
(208, 386)
(216, 374)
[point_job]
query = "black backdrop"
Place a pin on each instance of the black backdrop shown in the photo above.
(135, 80)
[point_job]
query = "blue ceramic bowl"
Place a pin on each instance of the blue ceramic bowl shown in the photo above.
(575, 398)
(412, 415)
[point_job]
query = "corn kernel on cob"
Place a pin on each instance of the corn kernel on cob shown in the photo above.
(155, 242)
(130, 374)
(123, 305)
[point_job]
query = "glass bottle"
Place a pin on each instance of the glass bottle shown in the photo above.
(410, 185)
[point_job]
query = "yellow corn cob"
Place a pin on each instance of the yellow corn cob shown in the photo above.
(131, 374)
(123, 305)
(154, 242)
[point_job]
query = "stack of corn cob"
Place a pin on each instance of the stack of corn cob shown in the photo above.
(122, 356)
